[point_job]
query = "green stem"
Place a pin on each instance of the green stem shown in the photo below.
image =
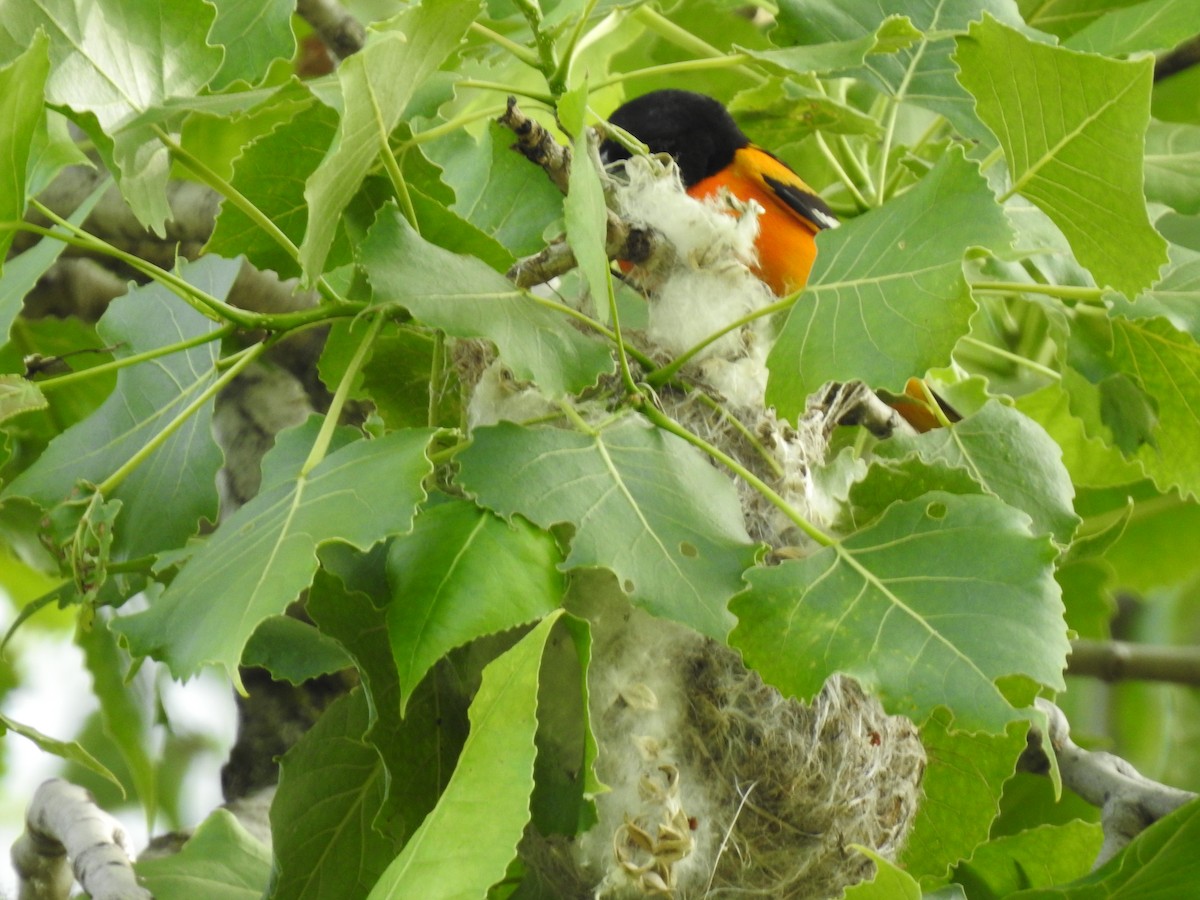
(58, 381)
(576, 419)
(746, 433)
(451, 126)
(885, 150)
(558, 79)
(668, 424)
(622, 357)
(202, 302)
(436, 378)
(991, 159)
(590, 323)
(681, 37)
(547, 60)
(1012, 357)
(521, 52)
(841, 173)
(244, 358)
(666, 373)
(321, 445)
(481, 85)
(1061, 291)
(683, 67)
(399, 185)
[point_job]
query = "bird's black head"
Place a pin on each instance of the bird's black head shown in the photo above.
(694, 129)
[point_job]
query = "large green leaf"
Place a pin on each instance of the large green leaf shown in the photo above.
(1039, 857)
(890, 882)
(265, 554)
(460, 574)
(887, 298)
(894, 33)
(331, 787)
(1166, 364)
(221, 861)
(1065, 17)
(1072, 126)
(254, 34)
(1153, 25)
(465, 298)
(377, 83)
(418, 751)
(488, 794)
(127, 707)
(160, 509)
(22, 84)
(643, 504)
(1173, 165)
(1010, 456)
(963, 781)
(68, 750)
(921, 73)
(497, 189)
(277, 191)
(22, 273)
(1159, 864)
(929, 605)
(110, 61)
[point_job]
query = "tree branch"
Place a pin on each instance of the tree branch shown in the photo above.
(1175, 61)
(622, 240)
(64, 823)
(1129, 802)
(342, 33)
(1122, 661)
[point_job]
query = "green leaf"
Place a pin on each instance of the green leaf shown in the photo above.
(1176, 297)
(293, 651)
(1156, 865)
(127, 708)
(221, 861)
(1073, 127)
(905, 478)
(488, 794)
(331, 787)
(448, 229)
(887, 298)
(1090, 461)
(920, 74)
(376, 85)
(277, 191)
(18, 395)
(1011, 456)
(147, 398)
(1173, 165)
(890, 882)
(22, 273)
(1065, 17)
(418, 751)
(254, 34)
(1153, 25)
(1038, 858)
(265, 553)
(895, 33)
(963, 781)
(110, 63)
(465, 298)
(462, 573)
(643, 504)
(68, 750)
(929, 606)
(1166, 363)
(22, 84)
(584, 208)
(496, 189)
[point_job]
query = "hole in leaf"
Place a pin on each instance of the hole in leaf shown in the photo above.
(688, 549)
(628, 585)
(936, 510)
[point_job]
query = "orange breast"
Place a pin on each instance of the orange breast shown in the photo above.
(786, 249)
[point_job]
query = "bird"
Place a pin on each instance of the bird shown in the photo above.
(714, 154)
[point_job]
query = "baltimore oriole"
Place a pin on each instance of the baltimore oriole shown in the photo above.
(713, 153)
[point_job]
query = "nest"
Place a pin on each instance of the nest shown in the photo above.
(720, 785)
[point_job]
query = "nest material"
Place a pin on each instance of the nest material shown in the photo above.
(721, 786)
